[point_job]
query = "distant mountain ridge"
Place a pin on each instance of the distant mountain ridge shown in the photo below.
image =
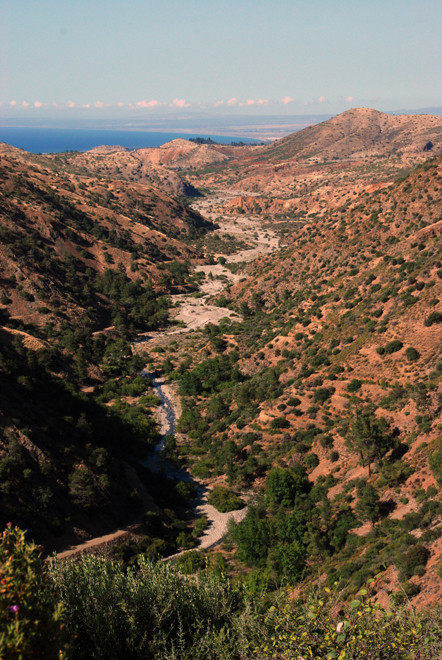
(361, 131)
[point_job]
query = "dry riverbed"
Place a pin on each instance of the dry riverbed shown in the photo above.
(194, 313)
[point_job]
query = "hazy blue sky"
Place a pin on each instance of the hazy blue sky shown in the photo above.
(141, 57)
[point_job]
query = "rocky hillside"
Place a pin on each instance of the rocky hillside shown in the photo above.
(323, 166)
(335, 375)
(322, 407)
(361, 133)
(56, 221)
(84, 263)
(157, 166)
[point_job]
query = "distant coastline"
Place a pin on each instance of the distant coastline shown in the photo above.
(56, 140)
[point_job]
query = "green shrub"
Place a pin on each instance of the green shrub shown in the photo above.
(322, 394)
(311, 461)
(147, 611)
(435, 461)
(224, 499)
(190, 562)
(280, 423)
(284, 485)
(354, 385)
(202, 469)
(30, 617)
(322, 626)
(412, 354)
(434, 317)
(412, 561)
(393, 346)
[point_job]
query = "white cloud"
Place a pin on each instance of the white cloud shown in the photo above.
(232, 102)
(349, 99)
(179, 103)
(147, 104)
(287, 99)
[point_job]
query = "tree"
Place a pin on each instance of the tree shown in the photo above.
(370, 436)
(283, 485)
(368, 503)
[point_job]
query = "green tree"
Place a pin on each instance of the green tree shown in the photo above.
(370, 436)
(283, 485)
(368, 506)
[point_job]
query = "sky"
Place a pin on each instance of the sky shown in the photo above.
(146, 58)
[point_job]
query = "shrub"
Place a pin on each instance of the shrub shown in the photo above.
(224, 499)
(308, 629)
(284, 485)
(322, 394)
(190, 562)
(434, 317)
(354, 385)
(280, 423)
(311, 461)
(412, 354)
(393, 346)
(202, 469)
(412, 561)
(30, 617)
(146, 611)
(435, 461)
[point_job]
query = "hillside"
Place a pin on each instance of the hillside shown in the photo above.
(157, 166)
(85, 263)
(324, 166)
(56, 221)
(361, 133)
(320, 409)
(340, 343)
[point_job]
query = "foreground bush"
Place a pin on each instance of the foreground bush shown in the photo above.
(322, 627)
(30, 617)
(149, 611)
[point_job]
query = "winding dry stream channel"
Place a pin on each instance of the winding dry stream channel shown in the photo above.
(195, 313)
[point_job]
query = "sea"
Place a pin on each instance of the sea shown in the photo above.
(56, 140)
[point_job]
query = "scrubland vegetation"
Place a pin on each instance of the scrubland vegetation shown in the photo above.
(320, 411)
(93, 608)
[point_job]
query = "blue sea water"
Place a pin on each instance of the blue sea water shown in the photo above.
(56, 140)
